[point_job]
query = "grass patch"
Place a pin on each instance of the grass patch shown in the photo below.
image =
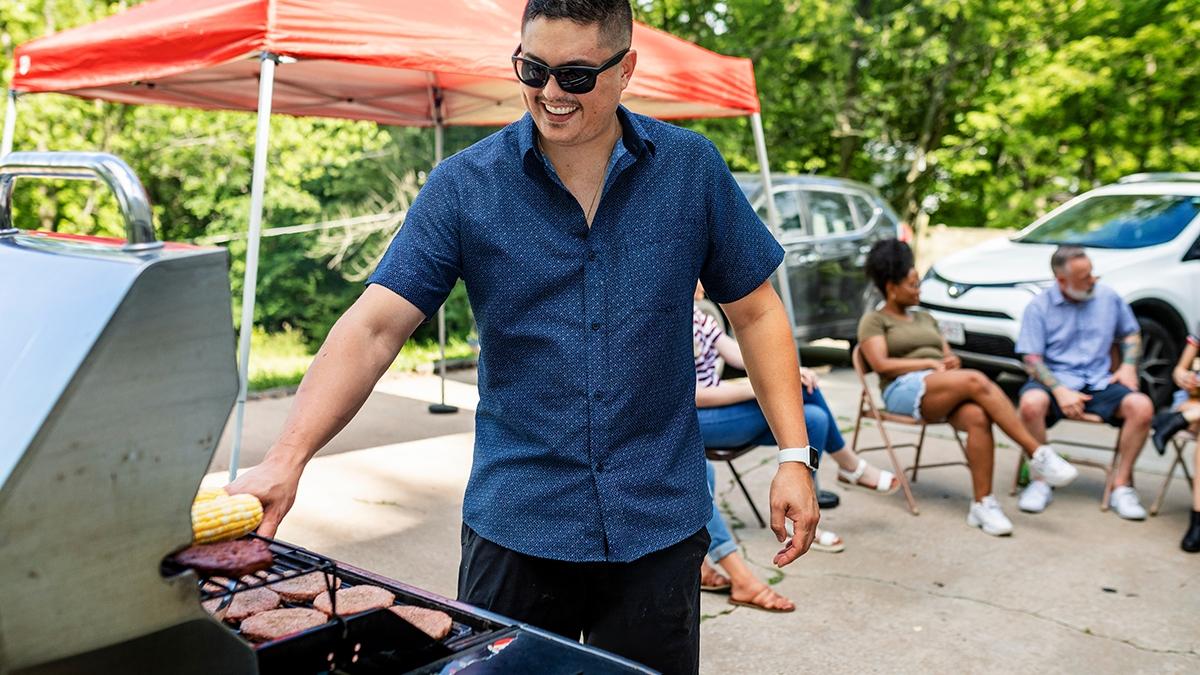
(277, 359)
(416, 354)
(281, 359)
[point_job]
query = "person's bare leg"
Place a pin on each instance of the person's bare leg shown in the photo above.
(971, 418)
(747, 587)
(1136, 411)
(945, 391)
(1035, 405)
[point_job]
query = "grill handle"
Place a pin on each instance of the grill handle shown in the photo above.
(111, 170)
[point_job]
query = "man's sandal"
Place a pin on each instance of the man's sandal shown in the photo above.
(828, 542)
(887, 483)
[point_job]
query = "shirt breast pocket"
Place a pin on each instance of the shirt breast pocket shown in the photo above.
(655, 276)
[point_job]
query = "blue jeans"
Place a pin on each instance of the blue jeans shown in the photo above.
(733, 425)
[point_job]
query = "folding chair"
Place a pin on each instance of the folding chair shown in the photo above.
(727, 455)
(1178, 444)
(1110, 470)
(868, 409)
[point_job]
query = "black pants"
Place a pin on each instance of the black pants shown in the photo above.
(647, 610)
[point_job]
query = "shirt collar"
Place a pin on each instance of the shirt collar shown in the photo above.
(1056, 295)
(634, 135)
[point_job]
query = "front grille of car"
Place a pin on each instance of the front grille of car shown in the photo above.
(993, 345)
(990, 314)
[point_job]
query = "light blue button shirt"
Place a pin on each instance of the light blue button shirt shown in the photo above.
(1076, 338)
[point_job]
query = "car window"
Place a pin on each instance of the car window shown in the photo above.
(830, 213)
(1118, 221)
(790, 217)
(867, 211)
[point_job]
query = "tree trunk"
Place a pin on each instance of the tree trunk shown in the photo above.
(847, 117)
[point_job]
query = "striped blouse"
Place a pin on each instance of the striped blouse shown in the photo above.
(705, 332)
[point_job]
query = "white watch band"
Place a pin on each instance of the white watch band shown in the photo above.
(802, 455)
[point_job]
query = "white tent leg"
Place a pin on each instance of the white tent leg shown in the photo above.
(262, 137)
(10, 124)
(760, 145)
(442, 408)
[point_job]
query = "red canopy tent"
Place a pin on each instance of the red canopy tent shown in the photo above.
(402, 62)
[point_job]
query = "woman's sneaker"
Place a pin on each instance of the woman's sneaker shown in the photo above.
(986, 514)
(1047, 465)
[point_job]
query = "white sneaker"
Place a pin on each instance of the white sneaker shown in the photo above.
(1124, 501)
(1035, 497)
(986, 514)
(1047, 465)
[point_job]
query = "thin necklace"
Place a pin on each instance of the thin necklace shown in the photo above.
(591, 209)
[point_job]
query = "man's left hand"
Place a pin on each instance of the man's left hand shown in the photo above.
(793, 498)
(1126, 375)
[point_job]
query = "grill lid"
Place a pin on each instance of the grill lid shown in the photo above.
(117, 374)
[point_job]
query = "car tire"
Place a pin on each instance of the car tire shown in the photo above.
(1160, 352)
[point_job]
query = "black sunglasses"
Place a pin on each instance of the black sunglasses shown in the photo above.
(571, 79)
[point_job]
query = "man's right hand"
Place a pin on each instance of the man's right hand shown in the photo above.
(275, 485)
(1071, 402)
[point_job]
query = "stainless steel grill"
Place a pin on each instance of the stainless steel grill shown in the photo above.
(117, 375)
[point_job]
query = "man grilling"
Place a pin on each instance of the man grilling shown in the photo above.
(580, 232)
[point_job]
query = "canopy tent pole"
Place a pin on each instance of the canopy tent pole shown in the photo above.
(10, 123)
(262, 136)
(785, 289)
(439, 139)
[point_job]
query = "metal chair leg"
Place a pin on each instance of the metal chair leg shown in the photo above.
(1178, 446)
(1111, 479)
(901, 474)
(737, 477)
(917, 459)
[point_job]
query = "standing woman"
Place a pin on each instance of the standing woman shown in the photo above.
(922, 378)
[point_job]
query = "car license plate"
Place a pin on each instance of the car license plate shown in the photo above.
(954, 332)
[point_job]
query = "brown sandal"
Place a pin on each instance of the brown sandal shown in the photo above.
(759, 601)
(713, 581)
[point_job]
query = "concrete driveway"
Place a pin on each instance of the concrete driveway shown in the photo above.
(1073, 590)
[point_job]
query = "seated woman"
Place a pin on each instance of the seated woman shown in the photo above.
(729, 417)
(922, 378)
(1184, 414)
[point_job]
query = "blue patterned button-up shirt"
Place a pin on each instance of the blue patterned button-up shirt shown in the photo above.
(587, 445)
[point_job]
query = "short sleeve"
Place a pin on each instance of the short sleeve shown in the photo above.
(1032, 339)
(423, 261)
(1127, 323)
(871, 325)
(1194, 337)
(742, 252)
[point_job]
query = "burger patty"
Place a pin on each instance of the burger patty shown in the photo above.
(355, 599)
(251, 602)
(228, 558)
(304, 587)
(433, 623)
(278, 623)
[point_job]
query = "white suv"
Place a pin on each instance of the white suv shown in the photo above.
(1142, 234)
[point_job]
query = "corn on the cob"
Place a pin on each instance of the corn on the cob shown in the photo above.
(225, 517)
(209, 494)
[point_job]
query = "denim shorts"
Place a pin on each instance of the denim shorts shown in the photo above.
(903, 396)
(1180, 398)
